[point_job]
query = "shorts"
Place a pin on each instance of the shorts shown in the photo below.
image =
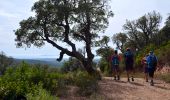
(151, 72)
(129, 66)
(115, 68)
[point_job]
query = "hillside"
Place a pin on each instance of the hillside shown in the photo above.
(44, 61)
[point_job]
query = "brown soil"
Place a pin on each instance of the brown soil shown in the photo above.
(123, 90)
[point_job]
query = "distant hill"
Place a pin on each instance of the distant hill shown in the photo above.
(46, 61)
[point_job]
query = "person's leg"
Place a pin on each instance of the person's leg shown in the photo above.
(146, 77)
(151, 73)
(146, 74)
(151, 83)
(114, 72)
(128, 79)
(117, 72)
(132, 71)
(132, 74)
(127, 72)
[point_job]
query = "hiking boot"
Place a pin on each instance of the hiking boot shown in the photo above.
(118, 77)
(151, 83)
(132, 79)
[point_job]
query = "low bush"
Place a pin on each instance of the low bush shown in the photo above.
(87, 84)
(41, 95)
(34, 82)
(165, 77)
(25, 79)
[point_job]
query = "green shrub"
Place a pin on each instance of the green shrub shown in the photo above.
(15, 83)
(87, 84)
(55, 83)
(42, 95)
(24, 79)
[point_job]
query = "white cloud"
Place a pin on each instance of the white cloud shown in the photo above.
(4, 13)
(13, 11)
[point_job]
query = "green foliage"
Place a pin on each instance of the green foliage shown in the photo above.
(144, 52)
(140, 32)
(104, 63)
(55, 83)
(39, 82)
(71, 65)
(87, 84)
(103, 42)
(24, 79)
(120, 40)
(105, 67)
(161, 51)
(66, 21)
(42, 95)
(5, 62)
(16, 83)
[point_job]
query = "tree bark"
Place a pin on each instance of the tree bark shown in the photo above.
(88, 66)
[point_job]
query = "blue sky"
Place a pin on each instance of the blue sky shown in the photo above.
(13, 11)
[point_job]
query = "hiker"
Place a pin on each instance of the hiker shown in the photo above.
(129, 61)
(152, 64)
(115, 65)
(145, 67)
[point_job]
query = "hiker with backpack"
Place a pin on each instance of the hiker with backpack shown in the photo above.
(129, 61)
(152, 64)
(145, 67)
(115, 65)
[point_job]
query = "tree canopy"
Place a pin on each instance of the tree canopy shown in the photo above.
(67, 21)
(139, 33)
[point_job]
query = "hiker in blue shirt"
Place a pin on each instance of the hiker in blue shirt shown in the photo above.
(152, 64)
(115, 65)
(129, 61)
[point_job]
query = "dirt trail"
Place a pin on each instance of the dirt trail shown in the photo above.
(123, 90)
(137, 90)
